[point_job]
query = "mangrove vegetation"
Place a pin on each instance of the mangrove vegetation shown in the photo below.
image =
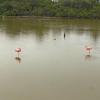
(51, 8)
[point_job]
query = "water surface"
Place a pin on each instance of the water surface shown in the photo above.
(50, 66)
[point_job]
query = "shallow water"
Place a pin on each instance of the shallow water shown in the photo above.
(50, 66)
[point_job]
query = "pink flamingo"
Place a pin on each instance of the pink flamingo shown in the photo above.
(88, 49)
(18, 50)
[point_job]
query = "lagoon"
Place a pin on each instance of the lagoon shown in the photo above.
(50, 67)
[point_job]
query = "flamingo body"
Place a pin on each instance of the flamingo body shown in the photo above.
(18, 50)
(88, 48)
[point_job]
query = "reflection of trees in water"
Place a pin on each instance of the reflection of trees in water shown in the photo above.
(95, 35)
(39, 27)
(16, 27)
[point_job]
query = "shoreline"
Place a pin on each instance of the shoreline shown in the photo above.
(48, 17)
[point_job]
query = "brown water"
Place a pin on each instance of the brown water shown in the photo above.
(50, 66)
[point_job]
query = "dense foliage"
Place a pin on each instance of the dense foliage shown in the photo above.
(62, 8)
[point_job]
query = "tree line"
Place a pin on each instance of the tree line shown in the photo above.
(49, 8)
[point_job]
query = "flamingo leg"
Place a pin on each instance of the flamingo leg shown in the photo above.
(18, 54)
(89, 52)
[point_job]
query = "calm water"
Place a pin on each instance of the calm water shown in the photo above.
(50, 66)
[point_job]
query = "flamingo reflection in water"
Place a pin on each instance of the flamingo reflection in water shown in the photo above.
(88, 57)
(17, 58)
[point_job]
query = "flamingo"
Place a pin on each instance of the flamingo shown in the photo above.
(88, 49)
(18, 50)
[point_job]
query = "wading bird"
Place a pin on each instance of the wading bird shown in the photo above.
(18, 50)
(64, 35)
(88, 49)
